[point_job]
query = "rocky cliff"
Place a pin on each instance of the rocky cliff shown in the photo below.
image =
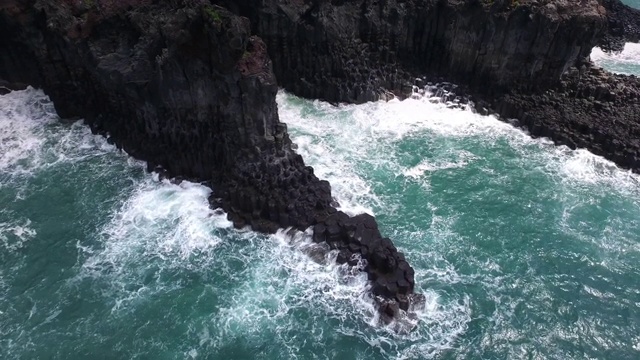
(355, 50)
(520, 59)
(623, 25)
(184, 86)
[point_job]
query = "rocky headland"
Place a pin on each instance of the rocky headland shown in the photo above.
(623, 25)
(189, 86)
(527, 60)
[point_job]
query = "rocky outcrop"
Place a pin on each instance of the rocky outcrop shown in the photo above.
(623, 25)
(184, 86)
(355, 50)
(522, 59)
(590, 108)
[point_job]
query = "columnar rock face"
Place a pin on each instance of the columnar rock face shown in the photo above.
(623, 25)
(354, 50)
(524, 59)
(589, 108)
(184, 86)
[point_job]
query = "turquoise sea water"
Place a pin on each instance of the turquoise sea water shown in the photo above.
(626, 62)
(524, 250)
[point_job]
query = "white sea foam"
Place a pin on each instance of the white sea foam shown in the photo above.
(33, 139)
(462, 158)
(161, 221)
(283, 278)
(581, 166)
(278, 289)
(15, 234)
(348, 142)
(625, 62)
(315, 292)
(163, 226)
(22, 118)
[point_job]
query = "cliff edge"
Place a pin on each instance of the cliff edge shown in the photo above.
(184, 86)
(355, 50)
(623, 25)
(526, 59)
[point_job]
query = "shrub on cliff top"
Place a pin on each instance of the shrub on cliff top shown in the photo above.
(213, 13)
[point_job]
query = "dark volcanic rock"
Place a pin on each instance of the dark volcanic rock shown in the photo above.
(184, 86)
(509, 54)
(589, 108)
(358, 238)
(623, 25)
(356, 50)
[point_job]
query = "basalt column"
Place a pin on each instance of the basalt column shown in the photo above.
(184, 86)
(357, 50)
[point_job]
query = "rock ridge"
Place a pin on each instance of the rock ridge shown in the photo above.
(355, 50)
(185, 86)
(623, 25)
(520, 59)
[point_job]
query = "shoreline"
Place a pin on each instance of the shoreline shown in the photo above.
(197, 104)
(190, 88)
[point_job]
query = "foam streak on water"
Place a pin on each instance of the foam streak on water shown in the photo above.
(626, 62)
(522, 249)
(463, 195)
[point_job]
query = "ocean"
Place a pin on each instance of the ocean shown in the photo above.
(524, 250)
(628, 61)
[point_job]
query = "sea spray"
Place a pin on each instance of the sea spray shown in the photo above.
(520, 247)
(626, 62)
